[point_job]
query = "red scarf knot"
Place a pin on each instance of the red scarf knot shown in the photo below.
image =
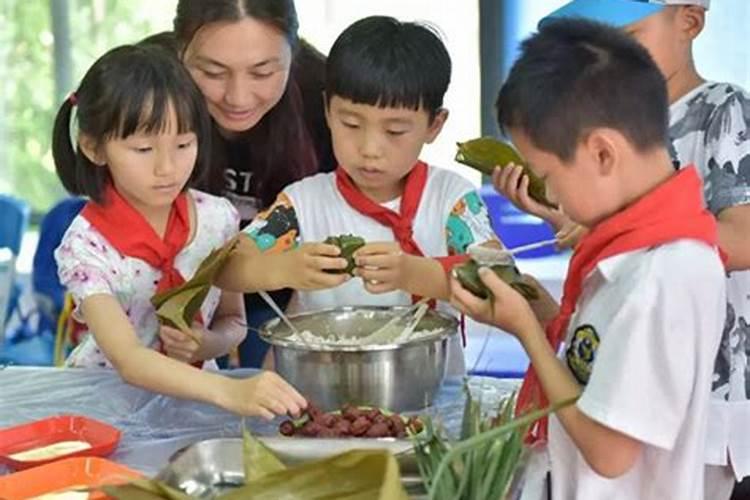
(132, 235)
(128, 231)
(401, 222)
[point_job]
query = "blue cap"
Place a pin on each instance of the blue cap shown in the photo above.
(617, 13)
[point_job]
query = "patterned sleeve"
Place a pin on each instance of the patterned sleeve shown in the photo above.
(277, 228)
(728, 153)
(468, 223)
(85, 262)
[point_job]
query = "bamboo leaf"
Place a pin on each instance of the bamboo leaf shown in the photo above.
(258, 460)
(348, 244)
(178, 307)
(144, 489)
(354, 475)
(468, 275)
(486, 153)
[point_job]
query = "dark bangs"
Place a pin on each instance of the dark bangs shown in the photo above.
(136, 88)
(386, 63)
(150, 115)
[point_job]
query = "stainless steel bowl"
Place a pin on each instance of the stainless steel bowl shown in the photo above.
(398, 377)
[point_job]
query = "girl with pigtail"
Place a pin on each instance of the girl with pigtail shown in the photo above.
(141, 139)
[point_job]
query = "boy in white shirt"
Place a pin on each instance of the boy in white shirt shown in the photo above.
(644, 299)
(709, 128)
(385, 82)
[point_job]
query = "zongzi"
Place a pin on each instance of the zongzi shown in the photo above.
(486, 153)
(348, 243)
(468, 275)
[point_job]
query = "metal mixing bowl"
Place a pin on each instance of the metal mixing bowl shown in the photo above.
(397, 377)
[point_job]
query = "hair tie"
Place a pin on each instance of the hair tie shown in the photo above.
(73, 99)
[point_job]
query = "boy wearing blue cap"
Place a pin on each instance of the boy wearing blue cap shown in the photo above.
(709, 128)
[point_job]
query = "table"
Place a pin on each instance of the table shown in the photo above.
(153, 426)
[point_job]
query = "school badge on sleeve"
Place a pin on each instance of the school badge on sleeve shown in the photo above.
(581, 352)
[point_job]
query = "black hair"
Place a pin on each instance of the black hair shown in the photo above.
(165, 39)
(192, 15)
(575, 75)
(383, 62)
(280, 146)
(129, 89)
(309, 72)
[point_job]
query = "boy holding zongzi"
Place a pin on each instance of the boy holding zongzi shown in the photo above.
(709, 128)
(644, 298)
(384, 94)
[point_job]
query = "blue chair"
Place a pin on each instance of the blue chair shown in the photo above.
(14, 217)
(44, 280)
(34, 341)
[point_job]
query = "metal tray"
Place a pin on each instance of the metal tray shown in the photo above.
(209, 468)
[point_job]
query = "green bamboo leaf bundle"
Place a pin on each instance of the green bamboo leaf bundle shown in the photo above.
(468, 275)
(486, 153)
(144, 489)
(348, 243)
(354, 475)
(179, 306)
(258, 460)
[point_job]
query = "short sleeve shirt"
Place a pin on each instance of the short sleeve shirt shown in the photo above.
(88, 265)
(642, 344)
(710, 128)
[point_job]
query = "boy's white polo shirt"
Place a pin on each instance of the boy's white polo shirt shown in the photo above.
(642, 343)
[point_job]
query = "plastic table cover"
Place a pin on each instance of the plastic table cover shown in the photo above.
(155, 426)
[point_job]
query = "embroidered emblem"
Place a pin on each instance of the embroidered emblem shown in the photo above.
(581, 352)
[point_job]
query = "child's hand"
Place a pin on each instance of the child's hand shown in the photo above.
(570, 234)
(179, 345)
(264, 395)
(382, 266)
(511, 182)
(545, 307)
(308, 267)
(508, 310)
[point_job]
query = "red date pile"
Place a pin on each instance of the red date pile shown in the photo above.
(351, 421)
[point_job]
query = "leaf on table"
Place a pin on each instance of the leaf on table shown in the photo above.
(144, 489)
(258, 459)
(354, 475)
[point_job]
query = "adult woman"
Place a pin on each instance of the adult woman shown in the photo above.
(263, 87)
(242, 56)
